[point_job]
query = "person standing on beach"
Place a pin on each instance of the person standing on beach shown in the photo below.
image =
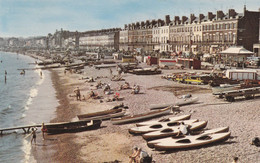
(43, 129)
(33, 133)
(77, 91)
(41, 73)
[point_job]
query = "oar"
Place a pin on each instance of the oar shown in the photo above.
(28, 135)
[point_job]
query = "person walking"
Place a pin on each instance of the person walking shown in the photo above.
(77, 91)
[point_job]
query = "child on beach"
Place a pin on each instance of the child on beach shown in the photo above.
(33, 133)
(44, 129)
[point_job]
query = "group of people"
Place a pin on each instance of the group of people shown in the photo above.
(33, 133)
(139, 156)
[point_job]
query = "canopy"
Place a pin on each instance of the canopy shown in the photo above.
(237, 50)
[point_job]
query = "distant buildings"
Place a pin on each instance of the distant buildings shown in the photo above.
(210, 33)
(203, 34)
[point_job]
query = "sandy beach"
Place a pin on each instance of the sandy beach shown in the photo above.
(113, 142)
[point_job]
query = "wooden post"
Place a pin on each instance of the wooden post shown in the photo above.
(28, 129)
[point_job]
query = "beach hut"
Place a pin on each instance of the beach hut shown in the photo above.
(236, 55)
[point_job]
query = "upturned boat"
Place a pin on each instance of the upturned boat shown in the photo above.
(138, 117)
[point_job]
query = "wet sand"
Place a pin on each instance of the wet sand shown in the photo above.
(113, 142)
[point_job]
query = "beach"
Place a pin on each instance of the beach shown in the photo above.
(113, 142)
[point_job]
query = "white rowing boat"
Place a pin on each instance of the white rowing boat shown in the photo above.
(192, 141)
(169, 139)
(171, 119)
(160, 126)
(138, 117)
(172, 131)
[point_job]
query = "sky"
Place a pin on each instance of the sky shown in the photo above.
(25, 18)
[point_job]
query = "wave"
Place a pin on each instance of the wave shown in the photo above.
(33, 93)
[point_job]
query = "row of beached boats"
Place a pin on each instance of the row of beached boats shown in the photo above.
(162, 134)
(117, 115)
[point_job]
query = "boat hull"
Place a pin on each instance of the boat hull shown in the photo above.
(169, 139)
(129, 119)
(192, 142)
(166, 132)
(68, 127)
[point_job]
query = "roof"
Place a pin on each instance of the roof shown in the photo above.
(241, 70)
(236, 50)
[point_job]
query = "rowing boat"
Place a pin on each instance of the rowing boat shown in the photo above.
(138, 117)
(107, 116)
(172, 131)
(102, 114)
(77, 126)
(192, 141)
(171, 119)
(169, 139)
(159, 126)
(181, 102)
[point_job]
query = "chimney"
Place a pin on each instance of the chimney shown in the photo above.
(153, 22)
(167, 19)
(183, 19)
(210, 16)
(192, 18)
(137, 25)
(147, 23)
(133, 26)
(129, 26)
(142, 24)
(220, 15)
(231, 13)
(201, 16)
(159, 22)
(126, 26)
(176, 19)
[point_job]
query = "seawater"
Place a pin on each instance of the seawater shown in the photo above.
(24, 100)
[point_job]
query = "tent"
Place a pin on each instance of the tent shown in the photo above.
(237, 50)
(236, 55)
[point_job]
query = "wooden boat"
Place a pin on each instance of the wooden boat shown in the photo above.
(159, 126)
(169, 139)
(106, 117)
(145, 71)
(77, 126)
(172, 131)
(181, 102)
(171, 119)
(192, 141)
(133, 118)
(102, 114)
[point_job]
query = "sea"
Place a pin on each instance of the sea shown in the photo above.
(24, 100)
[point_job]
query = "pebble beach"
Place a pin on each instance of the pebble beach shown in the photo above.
(114, 142)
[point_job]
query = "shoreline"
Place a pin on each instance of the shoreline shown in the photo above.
(60, 147)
